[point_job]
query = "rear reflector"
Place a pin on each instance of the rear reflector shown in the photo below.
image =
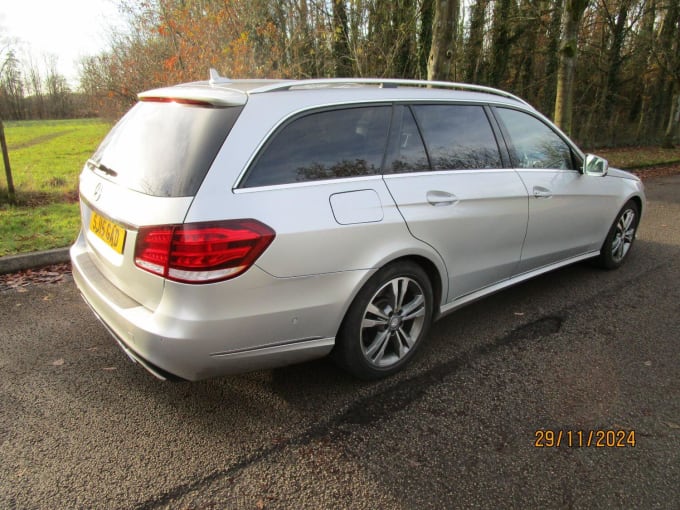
(202, 252)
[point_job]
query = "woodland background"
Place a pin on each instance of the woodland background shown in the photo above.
(607, 71)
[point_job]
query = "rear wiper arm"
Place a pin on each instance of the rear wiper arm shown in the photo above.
(102, 168)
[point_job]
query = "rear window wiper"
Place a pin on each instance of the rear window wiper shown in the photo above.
(102, 168)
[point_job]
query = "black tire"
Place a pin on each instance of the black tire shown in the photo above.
(620, 237)
(383, 328)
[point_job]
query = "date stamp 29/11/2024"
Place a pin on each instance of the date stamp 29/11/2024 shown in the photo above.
(598, 438)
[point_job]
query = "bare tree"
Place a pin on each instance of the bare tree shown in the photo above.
(12, 88)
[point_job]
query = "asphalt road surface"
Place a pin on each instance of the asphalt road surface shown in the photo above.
(569, 356)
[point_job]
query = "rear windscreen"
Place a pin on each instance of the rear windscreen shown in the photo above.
(164, 149)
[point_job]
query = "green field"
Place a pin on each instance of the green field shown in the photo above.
(46, 159)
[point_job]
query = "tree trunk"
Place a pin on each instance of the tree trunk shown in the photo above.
(8, 170)
(552, 55)
(647, 37)
(673, 123)
(669, 49)
(530, 19)
(501, 42)
(615, 60)
(441, 65)
(475, 42)
(564, 96)
(425, 36)
(341, 51)
(403, 21)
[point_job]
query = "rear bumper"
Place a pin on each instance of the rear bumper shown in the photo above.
(253, 322)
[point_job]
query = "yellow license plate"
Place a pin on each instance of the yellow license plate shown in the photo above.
(107, 231)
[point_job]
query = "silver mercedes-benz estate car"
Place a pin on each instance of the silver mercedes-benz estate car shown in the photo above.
(232, 225)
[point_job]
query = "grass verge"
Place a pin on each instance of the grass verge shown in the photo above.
(27, 229)
(46, 159)
(631, 158)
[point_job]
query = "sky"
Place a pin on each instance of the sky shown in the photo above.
(68, 29)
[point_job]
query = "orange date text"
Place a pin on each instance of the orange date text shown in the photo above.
(547, 438)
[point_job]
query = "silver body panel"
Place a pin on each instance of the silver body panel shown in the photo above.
(476, 220)
(569, 214)
(481, 230)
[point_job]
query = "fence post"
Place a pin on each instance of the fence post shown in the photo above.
(8, 170)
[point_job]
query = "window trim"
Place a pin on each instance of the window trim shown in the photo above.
(503, 149)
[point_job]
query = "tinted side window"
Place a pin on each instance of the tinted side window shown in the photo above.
(407, 151)
(533, 143)
(324, 145)
(458, 137)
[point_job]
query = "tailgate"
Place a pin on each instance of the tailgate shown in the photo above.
(111, 215)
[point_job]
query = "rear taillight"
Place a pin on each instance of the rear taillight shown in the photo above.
(202, 252)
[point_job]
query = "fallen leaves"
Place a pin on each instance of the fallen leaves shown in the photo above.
(48, 275)
(657, 171)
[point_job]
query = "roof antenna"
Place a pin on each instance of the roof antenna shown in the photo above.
(216, 78)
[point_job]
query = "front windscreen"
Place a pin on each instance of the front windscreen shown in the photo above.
(164, 149)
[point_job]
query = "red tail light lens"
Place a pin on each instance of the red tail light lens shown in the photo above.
(202, 252)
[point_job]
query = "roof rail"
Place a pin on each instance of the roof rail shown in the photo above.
(384, 83)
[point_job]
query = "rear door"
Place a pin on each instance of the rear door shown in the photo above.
(455, 194)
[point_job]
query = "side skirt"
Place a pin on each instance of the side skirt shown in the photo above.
(491, 289)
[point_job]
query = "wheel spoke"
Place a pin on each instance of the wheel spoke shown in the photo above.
(616, 245)
(399, 287)
(627, 219)
(402, 343)
(376, 350)
(371, 323)
(372, 309)
(402, 335)
(415, 308)
(402, 295)
(629, 235)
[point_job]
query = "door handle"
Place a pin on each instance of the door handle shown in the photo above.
(541, 192)
(439, 198)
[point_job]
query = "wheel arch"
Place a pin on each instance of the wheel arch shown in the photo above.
(433, 275)
(435, 272)
(638, 201)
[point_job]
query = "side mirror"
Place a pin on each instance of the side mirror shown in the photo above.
(595, 166)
